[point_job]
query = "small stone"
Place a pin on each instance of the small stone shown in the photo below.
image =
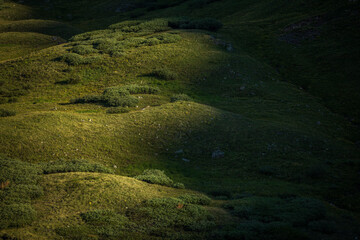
(186, 160)
(179, 151)
(218, 154)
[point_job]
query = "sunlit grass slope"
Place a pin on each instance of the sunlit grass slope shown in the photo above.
(241, 114)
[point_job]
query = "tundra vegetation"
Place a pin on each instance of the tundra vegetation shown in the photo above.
(182, 119)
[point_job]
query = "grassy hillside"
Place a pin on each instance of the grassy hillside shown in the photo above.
(253, 110)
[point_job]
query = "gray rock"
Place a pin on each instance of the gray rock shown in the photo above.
(218, 154)
(181, 151)
(186, 160)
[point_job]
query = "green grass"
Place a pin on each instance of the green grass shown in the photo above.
(280, 101)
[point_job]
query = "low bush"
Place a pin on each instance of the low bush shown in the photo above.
(16, 215)
(87, 99)
(198, 199)
(117, 110)
(141, 89)
(62, 166)
(164, 74)
(180, 97)
(120, 101)
(155, 176)
(148, 27)
(18, 172)
(178, 185)
(83, 49)
(166, 38)
(75, 59)
(119, 97)
(7, 113)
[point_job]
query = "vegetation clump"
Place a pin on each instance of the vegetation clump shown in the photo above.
(159, 177)
(119, 96)
(198, 199)
(16, 215)
(6, 113)
(63, 166)
(164, 73)
(18, 186)
(83, 49)
(75, 59)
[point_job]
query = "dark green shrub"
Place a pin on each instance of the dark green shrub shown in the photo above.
(117, 110)
(156, 25)
(83, 49)
(75, 59)
(116, 91)
(180, 97)
(178, 185)
(118, 97)
(138, 89)
(16, 215)
(7, 113)
(62, 166)
(164, 74)
(24, 192)
(198, 199)
(166, 38)
(87, 99)
(120, 101)
(155, 176)
(18, 172)
(205, 23)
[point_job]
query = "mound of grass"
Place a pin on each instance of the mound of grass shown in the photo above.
(198, 199)
(210, 24)
(62, 166)
(155, 176)
(83, 49)
(75, 59)
(117, 110)
(180, 97)
(159, 177)
(120, 101)
(159, 215)
(6, 113)
(164, 73)
(16, 215)
(141, 89)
